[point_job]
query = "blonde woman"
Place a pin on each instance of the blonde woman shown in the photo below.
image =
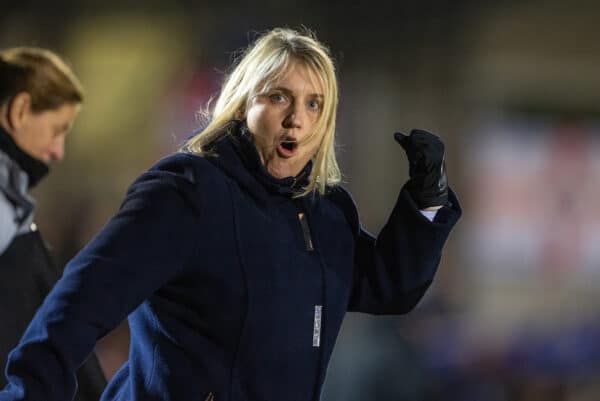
(237, 258)
(40, 98)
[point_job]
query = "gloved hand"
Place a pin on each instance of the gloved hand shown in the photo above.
(428, 184)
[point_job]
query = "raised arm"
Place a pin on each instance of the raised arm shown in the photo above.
(393, 271)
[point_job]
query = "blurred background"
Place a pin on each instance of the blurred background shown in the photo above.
(512, 87)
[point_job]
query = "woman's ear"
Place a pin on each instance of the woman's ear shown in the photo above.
(18, 109)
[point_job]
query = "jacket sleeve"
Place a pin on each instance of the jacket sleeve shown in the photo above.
(393, 271)
(142, 247)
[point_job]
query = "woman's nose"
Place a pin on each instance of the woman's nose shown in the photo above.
(57, 150)
(294, 118)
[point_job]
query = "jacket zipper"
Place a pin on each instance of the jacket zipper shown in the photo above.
(318, 318)
(305, 232)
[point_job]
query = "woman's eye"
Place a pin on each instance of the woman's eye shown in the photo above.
(277, 98)
(314, 105)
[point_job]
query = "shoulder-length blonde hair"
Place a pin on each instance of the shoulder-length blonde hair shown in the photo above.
(261, 65)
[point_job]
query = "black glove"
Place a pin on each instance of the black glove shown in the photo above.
(428, 184)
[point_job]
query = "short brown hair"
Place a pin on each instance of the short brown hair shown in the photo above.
(40, 72)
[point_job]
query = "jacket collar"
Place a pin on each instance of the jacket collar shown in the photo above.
(34, 168)
(236, 154)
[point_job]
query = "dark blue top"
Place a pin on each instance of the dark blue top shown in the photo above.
(234, 289)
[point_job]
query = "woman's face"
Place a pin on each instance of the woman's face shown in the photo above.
(42, 135)
(281, 117)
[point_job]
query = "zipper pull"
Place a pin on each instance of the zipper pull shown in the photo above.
(317, 326)
(305, 232)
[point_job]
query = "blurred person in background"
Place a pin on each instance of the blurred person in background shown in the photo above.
(237, 258)
(40, 98)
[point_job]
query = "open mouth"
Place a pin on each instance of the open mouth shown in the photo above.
(287, 147)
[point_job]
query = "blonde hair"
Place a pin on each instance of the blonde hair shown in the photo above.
(262, 64)
(42, 74)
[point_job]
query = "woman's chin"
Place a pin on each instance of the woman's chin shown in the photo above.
(282, 168)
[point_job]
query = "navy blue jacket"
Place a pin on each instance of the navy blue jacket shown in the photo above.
(234, 289)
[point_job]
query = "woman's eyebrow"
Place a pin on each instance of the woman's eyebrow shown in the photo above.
(282, 89)
(291, 92)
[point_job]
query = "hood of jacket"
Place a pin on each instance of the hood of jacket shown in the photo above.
(236, 154)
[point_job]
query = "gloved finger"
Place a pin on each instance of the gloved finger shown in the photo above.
(422, 133)
(401, 139)
(422, 139)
